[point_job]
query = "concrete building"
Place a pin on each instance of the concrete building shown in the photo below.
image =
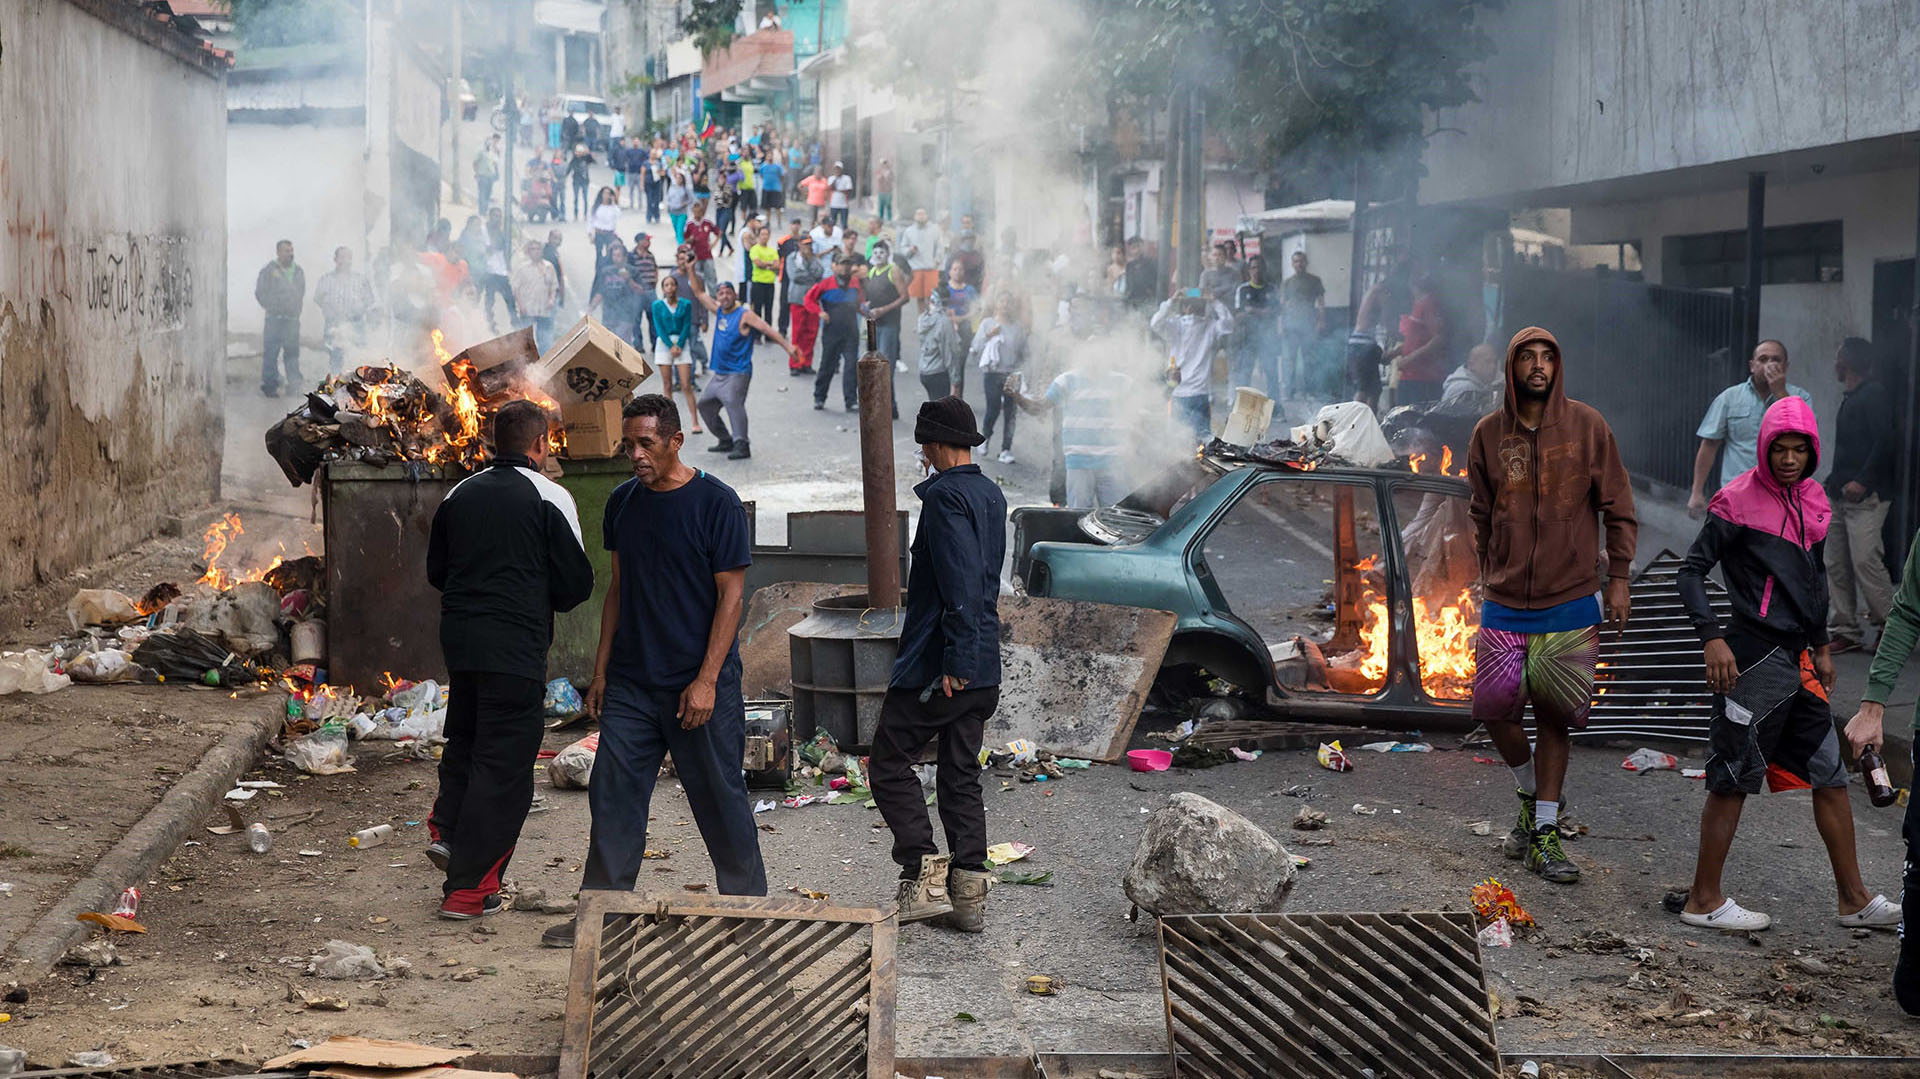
(112, 315)
(1648, 123)
(568, 31)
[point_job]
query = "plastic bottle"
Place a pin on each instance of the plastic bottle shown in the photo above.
(259, 838)
(370, 837)
(129, 904)
(1879, 788)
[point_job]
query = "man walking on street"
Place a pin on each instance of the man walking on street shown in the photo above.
(345, 299)
(1861, 487)
(1540, 471)
(505, 553)
(732, 365)
(536, 290)
(836, 302)
(803, 272)
(666, 678)
(946, 677)
(925, 255)
(1732, 422)
(281, 291)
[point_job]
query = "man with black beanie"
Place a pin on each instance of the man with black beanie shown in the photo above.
(505, 553)
(946, 679)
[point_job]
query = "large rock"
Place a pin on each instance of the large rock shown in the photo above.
(1199, 857)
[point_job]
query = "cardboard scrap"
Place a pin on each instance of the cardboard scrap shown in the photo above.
(115, 922)
(371, 1053)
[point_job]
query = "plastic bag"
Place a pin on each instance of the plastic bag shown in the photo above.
(101, 607)
(427, 726)
(1333, 758)
(420, 695)
(29, 672)
(106, 665)
(342, 961)
(562, 700)
(572, 767)
(1650, 760)
(322, 753)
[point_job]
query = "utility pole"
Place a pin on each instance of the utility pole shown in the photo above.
(455, 107)
(511, 112)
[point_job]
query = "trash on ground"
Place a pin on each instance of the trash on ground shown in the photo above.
(1181, 733)
(1694, 773)
(341, 960)
(807, 893)
(102, 667)
(1300, 861)
(367, 1053)
(239, 794)
(258, 838)
(562, 700)
(101, 607)
(765, 805)
(1333, 758)
(118, 923)
(1360, 810)
(321, 753)
(1199, 857)
(1002, 853)
(1497, 934)
(30, 672)
(370, 837)
(129, 904)
(1481, 827)
(572, 767)
(800, 801)
(314, 1002)
(1244, 754)
(1493, 900)
(1650, 760)
(92, 1058)
(1013, 876)
(97, 952)
(1193, 756)
(1309, 819)
(1149, 760)
(1074, 763)
(1397, 747)
(1043, 985)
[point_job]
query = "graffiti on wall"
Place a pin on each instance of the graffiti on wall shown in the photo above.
(138, 282)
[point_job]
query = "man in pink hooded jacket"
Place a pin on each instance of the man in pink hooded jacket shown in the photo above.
(1769, 667)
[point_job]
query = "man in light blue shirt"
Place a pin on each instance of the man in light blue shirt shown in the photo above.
(1733, 421)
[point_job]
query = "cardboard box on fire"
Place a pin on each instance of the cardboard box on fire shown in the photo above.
(591, 364)
(499, 364)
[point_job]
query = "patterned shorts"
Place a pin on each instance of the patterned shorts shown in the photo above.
(1553, 670)
(1774, 726)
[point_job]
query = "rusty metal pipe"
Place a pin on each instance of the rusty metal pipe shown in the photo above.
(876, 477)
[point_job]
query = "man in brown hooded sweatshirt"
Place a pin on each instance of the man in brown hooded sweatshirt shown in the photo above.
(1541, 469)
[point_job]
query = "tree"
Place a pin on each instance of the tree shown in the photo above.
(264, 24)
(710, 24)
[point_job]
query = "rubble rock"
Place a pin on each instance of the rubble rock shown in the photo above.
(97, 952)
(1199, 857)
(535, 899)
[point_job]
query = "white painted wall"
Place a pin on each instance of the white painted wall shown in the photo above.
(112, 315)
(1579, 91)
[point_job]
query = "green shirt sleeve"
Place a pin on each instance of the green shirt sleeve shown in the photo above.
(1897, 639)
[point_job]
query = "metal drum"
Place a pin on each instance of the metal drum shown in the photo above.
(842, 655)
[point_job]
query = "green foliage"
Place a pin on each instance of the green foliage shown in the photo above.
(630, 87)
(710, 24)
(1308, 80)
(271, 23)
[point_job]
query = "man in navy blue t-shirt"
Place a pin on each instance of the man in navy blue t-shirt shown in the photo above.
(667, 675)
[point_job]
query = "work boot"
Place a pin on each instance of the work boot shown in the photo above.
(1548, 860)
(925, 896)
(558, 936)
(1517, 841)
(967, 889)
(741, 450)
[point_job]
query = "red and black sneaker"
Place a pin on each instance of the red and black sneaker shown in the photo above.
(465, 911)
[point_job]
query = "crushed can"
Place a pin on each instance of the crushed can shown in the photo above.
(769, 760)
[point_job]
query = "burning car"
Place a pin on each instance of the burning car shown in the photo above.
(1329, 592)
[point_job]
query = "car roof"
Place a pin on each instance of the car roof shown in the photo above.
(1347, 472)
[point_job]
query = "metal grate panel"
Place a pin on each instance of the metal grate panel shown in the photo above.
(1652, 681)
(1309, 995)
(728, 986)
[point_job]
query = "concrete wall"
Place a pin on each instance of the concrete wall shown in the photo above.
(112, 318)
(1580, 91)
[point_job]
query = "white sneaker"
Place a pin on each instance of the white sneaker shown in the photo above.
(1006, 457)
(1879, 913)
(1730, 917)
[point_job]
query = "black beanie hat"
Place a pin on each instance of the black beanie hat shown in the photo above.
(948, 421)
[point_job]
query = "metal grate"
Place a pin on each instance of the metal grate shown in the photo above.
(786, 989)
(1652, 680)
(1337, 995)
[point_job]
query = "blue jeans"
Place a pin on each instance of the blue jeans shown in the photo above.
(1194, 414)
(542, 329)
(1257, 354)
(280, 345)
(637, 730)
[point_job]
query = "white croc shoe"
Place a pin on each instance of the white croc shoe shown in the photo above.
(1879, 913)
(1730, 917)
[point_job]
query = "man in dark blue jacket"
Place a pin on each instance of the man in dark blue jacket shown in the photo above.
(505, 553)
(946, 679)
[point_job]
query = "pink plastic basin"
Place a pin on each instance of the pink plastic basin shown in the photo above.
(1149, 760)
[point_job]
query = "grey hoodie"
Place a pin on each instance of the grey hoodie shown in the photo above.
(940, 352)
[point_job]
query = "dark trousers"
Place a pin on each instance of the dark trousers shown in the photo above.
(838, 217)
(838, 344)
(959, 723)
(998, 409)
(762, 300)
(637, 730)
(484, 189)
(1906, 968)
(496, 284)
(938, 386)
(581, 201)
(494, 728)
(279, 344)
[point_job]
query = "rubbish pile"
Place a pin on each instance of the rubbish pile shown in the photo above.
(385, 414)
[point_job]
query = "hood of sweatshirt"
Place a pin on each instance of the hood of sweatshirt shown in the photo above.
(1798, 511)
(1556, 397)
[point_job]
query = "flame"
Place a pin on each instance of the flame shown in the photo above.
(218, 536)
(1420, 463)
(1445, 636)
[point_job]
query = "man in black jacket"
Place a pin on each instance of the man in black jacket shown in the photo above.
(505, 553)
(946, 677)
(1860, 486)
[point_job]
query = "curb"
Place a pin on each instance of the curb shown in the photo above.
(149, 842)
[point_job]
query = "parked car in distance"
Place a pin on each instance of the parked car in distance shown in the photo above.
(1330, 593)
(580, 107)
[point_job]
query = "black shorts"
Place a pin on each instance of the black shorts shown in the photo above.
(773, 200)
(1775, 724)
(1363, 366)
